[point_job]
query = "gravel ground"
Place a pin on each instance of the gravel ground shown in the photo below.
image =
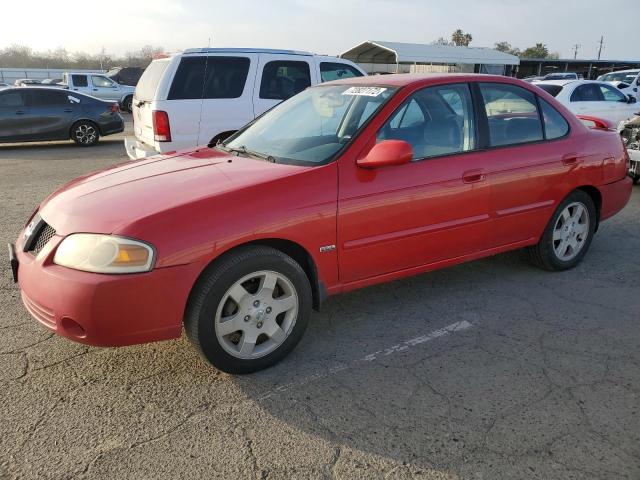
(488, 370)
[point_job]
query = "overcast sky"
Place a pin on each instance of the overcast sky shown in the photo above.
(321, 26)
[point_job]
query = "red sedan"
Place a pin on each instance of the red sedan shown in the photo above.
(345, 185)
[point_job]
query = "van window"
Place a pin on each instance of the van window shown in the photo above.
(226, 77)
(79, 80)
(283, 79)
(512, 113)
(335, 71)
(189, 79)
(148, 83)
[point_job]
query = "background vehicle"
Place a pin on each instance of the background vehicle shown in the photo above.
(52, 82)
(204, 95)
(35, 114)
(98, 85)
(26, 81)
(627, 81)
(630, 132)
(345, 185)
(561, 76)
(125, 75)
(587, 97)
(4, 84)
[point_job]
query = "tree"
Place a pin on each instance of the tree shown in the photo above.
(460, 38)
(442, 41)
(506, 47)
(540, 50)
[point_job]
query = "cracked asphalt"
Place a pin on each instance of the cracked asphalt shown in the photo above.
(542, 383)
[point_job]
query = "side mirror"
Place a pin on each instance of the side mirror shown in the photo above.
(632, 99)
(387, 153)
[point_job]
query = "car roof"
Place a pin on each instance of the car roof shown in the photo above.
(631, 70)
(560, 83)
(246, 50)
(423, 79)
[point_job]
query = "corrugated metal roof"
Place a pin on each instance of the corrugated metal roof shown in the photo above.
(376, 51)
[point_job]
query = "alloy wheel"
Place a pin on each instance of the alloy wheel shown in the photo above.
(571, 231)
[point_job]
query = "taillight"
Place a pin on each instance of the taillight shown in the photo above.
(114, 108)
(161, 128)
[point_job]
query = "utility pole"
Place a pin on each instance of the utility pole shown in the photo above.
(600, 49)
(575, 50)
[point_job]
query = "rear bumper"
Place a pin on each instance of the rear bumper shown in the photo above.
(614, 197)
(103, 310)
(137, 149)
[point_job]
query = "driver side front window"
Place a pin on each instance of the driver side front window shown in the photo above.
(436, 121)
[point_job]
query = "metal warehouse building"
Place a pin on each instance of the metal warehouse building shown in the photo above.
(394, 57)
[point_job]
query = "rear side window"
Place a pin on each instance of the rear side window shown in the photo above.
(225, 77)
(79, 80)
(148, 84)
(209, 77)
(555, 126)
(512, 113)
(589, 92)
(11, 99)
(189, 79)
(48, 99)
(335, 71)
(283, 79)
(552, 90)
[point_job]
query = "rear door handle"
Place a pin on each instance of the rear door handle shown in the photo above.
(20, 112)
(474, 176)
(68, 110)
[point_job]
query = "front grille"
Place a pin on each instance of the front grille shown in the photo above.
(45, 234)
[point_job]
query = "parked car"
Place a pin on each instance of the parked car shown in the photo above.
(533, 78)
(36, 114)
(26, 82)
(125, 75)
(627, 81)
(345, 185)
(98, 85)
(561, 76)
(2, 84)
(202, 96)
(590, 97)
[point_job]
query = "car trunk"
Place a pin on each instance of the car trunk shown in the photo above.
(142, 101)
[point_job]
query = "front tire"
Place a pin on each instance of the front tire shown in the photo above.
(127, 104)
(568, 234)
(249, 310)
(85, 133)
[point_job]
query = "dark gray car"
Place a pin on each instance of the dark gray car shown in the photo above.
(41, 114)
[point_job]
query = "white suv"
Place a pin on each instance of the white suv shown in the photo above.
(204, 95)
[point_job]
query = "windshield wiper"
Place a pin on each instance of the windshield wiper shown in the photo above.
(244, 151)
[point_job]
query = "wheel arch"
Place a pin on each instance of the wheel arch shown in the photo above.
(84, 119)
(296, 251)
(596, 196)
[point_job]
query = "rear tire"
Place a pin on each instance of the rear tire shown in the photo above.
(249, 310)
(568, 234)
(127, 104)
(85, 133)
(636, 179)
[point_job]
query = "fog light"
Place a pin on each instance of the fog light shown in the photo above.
(73, 328)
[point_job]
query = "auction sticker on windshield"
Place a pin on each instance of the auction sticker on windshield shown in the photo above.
(364, 91)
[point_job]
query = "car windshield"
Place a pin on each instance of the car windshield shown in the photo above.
(312, 127)
(618, 77)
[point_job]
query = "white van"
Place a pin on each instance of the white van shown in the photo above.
(204, 95)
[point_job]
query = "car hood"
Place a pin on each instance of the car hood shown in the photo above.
(109, 200)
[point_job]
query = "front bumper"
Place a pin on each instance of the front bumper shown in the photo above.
(137, 149)
(103, 310)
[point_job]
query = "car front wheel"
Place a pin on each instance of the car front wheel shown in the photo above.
(249, 310)
(568, 234)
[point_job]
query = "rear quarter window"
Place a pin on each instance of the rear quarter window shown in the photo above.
(150, 79)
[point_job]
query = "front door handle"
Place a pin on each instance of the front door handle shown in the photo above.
(570, 159)
(68, 110)
(474, 176)
(20, 112)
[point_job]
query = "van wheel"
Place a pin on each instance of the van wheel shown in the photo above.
(127, 105)
(250, 310)
(85, 133)
(568, 235)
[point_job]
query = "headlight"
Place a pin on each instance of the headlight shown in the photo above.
(104, 254)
